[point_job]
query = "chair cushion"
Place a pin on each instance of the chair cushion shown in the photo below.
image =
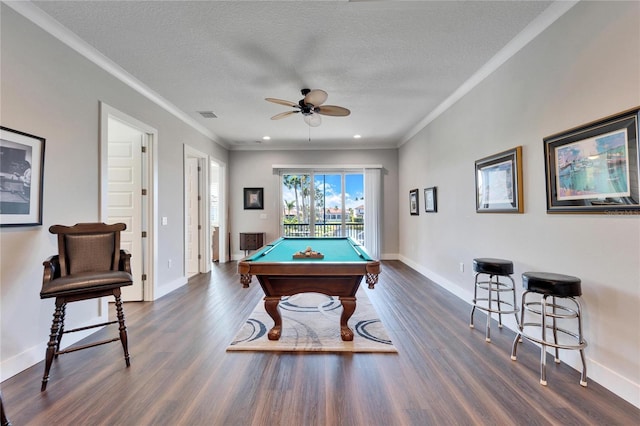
(89, 252)
(85, 282)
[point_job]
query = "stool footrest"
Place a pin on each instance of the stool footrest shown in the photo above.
(565, 312)
(499, 309)
(494, 286)
(579, 345)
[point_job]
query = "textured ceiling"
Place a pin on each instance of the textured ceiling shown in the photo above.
(390, 63)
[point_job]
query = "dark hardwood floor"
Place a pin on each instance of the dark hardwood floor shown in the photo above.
(444, 374)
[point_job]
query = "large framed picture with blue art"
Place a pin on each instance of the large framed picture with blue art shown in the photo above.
(593, 168)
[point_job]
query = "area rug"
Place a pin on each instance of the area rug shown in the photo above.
(311, 323)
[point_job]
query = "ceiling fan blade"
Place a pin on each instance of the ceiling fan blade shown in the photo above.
(283, 115)
(316, 97)
(333, 110)
(282, 102)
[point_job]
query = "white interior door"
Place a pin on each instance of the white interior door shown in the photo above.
(124, 201)
(192, 219)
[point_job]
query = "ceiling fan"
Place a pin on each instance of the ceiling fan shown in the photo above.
(311, 107)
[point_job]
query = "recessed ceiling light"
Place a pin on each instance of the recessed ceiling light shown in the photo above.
(266, 138)
(357, 136)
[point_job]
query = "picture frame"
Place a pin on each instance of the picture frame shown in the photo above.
(499, 183)
(414, 202)
(254, 198)
(430, 200)
(21, 178)
(593, 168)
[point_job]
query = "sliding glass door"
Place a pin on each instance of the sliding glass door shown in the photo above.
(323, 204)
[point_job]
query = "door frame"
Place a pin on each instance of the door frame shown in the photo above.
(204, 239)
(222, 209)
(150, 201)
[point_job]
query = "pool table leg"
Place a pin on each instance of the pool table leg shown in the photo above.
(271, 306)
(348, 308)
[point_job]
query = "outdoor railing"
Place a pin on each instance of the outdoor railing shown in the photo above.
(354, 230)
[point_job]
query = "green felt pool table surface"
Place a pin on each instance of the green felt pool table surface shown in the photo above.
(334, 249)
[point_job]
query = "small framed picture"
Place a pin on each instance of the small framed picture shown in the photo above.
(254, 198)
(499, 183)
(413, 202)
(430, 200)
(21, 178)
(594, 168)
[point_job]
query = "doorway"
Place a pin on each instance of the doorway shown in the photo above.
(128, 193)
(197, 252)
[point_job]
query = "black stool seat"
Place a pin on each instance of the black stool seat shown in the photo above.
(552, 284)
(488, 265)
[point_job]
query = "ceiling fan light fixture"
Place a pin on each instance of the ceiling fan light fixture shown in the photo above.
(313, 120)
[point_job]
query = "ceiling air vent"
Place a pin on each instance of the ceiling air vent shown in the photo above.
(207, 114)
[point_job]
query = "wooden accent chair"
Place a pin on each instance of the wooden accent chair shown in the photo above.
(89, 264)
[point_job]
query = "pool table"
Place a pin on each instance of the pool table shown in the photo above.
(338, 273)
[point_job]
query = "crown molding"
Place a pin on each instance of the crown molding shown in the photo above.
(531, 31)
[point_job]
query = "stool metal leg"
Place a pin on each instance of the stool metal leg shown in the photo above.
(475, 299)
(497, 281)
(555, 331)
(583, 376)
(495, 304)
(514, 346)
(543, 346)
(489, 299)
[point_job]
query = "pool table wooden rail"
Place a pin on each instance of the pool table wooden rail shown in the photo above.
(302, 269)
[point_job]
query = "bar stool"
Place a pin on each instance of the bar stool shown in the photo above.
(494, 268)
(556, 286)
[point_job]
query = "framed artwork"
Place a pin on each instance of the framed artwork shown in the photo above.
(430, 200)
(413, 202)
(253, 198)
(499, 183)
(594, 168)
(21, 178)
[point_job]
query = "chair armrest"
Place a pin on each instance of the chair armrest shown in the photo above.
(125, 263)
(51, 269)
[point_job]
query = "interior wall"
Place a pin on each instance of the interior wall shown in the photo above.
(582, 68)
(254, 169)
(51, 91)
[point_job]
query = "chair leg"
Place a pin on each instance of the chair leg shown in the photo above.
(123, 328)
(61, 329)
(53, 342)
(5, 419)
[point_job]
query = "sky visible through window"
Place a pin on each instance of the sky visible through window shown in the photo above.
(354, 190)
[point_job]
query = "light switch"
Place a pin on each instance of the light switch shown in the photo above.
(263, 215)
(164, 220)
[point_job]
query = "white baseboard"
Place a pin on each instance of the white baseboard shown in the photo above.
(169, 287)
(16, 364)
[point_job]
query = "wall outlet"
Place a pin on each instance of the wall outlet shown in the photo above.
(461, 266)
(169, 263)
